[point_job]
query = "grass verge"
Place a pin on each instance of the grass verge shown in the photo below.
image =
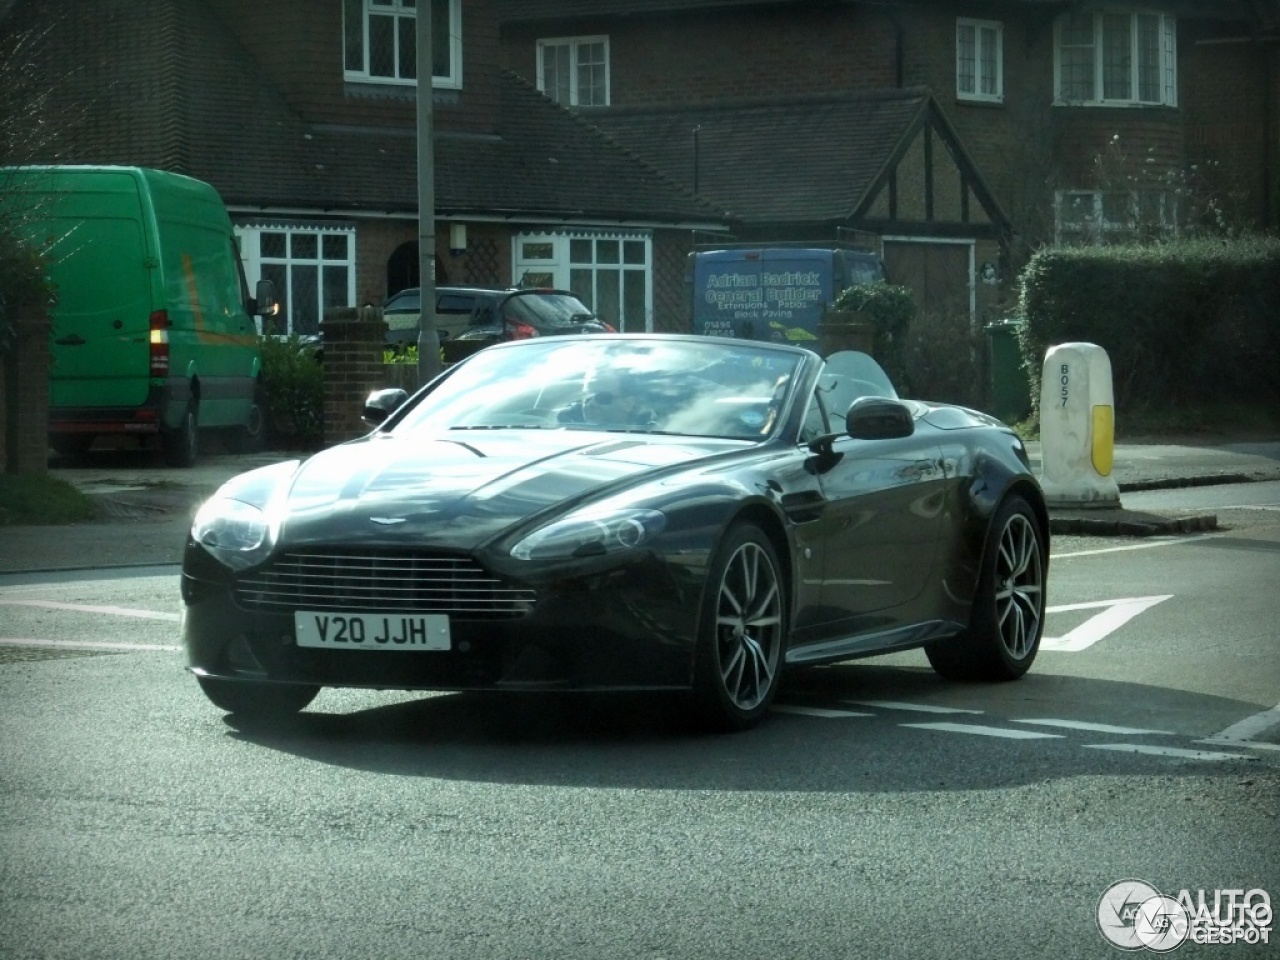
(37, 498)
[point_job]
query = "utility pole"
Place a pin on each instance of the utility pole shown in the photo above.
(428, 337)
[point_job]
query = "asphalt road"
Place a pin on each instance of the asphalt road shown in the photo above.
(878, 812)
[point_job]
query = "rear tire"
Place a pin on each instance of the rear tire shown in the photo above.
(255, 700)
(72, 447)
(1008, 606)
(182, 446)
(742, 632)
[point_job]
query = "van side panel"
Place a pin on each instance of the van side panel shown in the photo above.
(212, 340)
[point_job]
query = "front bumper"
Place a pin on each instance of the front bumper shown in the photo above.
(628, 628)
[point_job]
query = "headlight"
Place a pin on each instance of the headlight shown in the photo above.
(590, 535)
(233, 531)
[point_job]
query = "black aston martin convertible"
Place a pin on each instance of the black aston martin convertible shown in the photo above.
(623, 513)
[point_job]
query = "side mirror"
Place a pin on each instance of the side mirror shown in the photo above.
(264, 300)
(381, 404)
(879, 418)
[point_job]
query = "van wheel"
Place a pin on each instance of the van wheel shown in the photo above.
(252, 437)
(181, 446)
(72, 447)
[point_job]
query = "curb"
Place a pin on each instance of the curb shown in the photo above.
(1125, 523)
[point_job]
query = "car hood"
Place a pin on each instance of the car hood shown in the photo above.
(461, 489)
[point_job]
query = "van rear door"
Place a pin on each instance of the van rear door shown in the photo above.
(776, 294)
(103, 266)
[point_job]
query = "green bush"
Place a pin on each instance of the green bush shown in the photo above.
(1183, 323)
(294, 378)
(405, 354)
(890, 309)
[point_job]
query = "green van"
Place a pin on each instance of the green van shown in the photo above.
(153, 331)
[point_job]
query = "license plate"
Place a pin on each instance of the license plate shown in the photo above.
(371, 631)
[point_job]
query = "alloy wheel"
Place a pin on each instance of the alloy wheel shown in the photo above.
(749, 626)
(1019, 583)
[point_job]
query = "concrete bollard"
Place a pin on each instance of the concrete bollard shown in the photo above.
(1077, 427)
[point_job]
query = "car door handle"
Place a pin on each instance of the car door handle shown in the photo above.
(74, 340)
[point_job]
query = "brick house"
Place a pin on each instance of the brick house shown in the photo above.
(958, 136)
(303, 115)
(1038, 121)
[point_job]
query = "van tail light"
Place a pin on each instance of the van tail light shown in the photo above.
(159, 343)
(521, 331)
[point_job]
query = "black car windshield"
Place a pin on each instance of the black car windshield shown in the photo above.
(682, 386)
(538, 307)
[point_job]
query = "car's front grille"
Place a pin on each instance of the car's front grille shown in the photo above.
(381, 581)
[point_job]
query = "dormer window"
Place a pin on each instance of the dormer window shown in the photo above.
(574, 71)
(380, 42)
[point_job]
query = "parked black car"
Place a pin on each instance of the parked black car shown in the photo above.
(479, 316)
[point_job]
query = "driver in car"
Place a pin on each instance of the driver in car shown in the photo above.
(610, 400)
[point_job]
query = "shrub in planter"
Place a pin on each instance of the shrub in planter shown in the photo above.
(890, 309)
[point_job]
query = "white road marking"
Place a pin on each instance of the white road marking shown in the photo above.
(985, 731)
(1094, 727)
(1240, 744)
(90, 608)
(816, 711)
(920, 707)
(1145, 545)
(89, 645)
(1115, 614)
(1167, 751)
(1251, 727)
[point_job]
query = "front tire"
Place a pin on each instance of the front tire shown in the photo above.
(1008, 607)
(742, 632)
(251, 437)
(182, 446)
(258, 701)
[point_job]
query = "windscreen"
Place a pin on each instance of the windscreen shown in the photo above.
(712, 388)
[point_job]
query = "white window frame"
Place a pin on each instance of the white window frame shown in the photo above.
(575, 46)
(1166, 60)
(1099, 228)
(404, 14)
(993, 31)
(289, 322)
(555, 265)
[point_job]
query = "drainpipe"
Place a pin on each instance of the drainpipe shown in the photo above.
(696, 158)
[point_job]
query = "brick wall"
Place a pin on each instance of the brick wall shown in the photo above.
(1223, 90)
(695, 57)
(353, 342)
(672, 309)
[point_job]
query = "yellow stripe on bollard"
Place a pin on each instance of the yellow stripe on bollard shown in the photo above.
(1104, 440)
